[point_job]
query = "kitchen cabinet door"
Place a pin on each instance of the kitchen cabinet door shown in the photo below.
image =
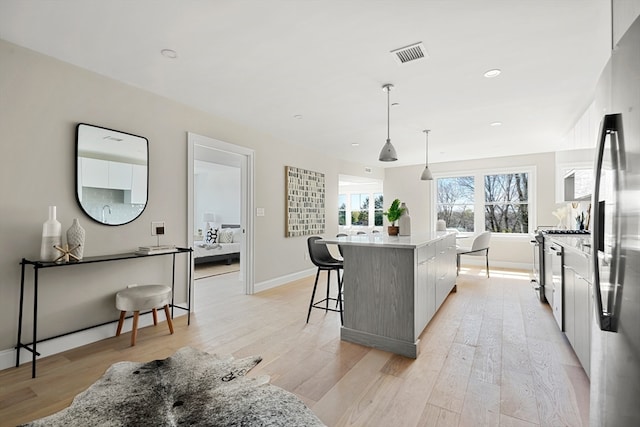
(582, 344)
(569, 303)
(95, 173)
(431, 284)
(120, 175)
(138, 194)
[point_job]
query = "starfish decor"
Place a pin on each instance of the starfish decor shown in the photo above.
(65, 250)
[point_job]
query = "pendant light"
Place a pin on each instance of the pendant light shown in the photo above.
(426, 173)
(388, 153)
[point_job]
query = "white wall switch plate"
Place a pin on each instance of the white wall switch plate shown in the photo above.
(259, 211)
(157, 228)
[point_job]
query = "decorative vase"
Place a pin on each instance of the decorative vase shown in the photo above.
(404, 223)
(441, 225)
(392, 230)
(75, 238)
(51, 236)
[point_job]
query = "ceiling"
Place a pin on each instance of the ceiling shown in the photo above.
(311, 72)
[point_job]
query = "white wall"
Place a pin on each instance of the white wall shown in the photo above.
(505, 250)
(41, 102)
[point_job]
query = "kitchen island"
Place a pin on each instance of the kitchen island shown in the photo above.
(393, 285)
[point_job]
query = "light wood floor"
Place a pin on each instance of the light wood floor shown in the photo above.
(491, 356)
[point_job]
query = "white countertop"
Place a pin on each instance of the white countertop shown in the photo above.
(384, 240)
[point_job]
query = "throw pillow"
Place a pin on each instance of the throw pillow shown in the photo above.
(212, 236)
(226, 236)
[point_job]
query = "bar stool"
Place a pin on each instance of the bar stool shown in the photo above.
(143, 297)
(321, 258)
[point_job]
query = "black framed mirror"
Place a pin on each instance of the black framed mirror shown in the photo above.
(112, 174)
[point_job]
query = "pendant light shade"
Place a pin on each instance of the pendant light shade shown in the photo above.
(388, 152)
(426, 173)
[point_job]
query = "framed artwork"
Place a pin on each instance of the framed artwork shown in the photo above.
(305, 200)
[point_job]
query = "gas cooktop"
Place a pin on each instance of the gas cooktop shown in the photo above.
(558, 231)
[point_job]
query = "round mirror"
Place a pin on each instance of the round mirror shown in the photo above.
(111, 174)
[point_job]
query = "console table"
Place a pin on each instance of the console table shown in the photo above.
(37, 265)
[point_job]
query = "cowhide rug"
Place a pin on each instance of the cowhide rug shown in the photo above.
(190, 388)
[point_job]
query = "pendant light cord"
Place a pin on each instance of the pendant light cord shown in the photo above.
(388, 113)
(426, 154)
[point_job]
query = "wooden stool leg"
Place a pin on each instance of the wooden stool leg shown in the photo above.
(134, 330)
(168, 314)
(155, 317)
(120, 323)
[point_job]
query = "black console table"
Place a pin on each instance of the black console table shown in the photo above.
(37, 265)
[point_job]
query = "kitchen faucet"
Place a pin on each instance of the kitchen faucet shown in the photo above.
(103, 215)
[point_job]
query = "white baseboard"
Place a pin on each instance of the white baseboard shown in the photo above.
(77, 339)
(480, 262)
(283, 280)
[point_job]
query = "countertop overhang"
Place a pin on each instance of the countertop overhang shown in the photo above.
(384, 240)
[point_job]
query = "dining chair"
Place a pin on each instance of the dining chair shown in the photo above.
(479, 247)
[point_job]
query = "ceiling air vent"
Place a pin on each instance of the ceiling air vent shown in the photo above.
(410, 53)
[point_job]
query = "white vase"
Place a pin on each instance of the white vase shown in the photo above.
(51, 236)
(75, 237)
(404, 222)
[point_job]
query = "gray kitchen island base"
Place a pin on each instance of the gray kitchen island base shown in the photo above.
(400, 347)
(393, 286)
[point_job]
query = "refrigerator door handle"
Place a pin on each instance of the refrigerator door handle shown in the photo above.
(606, 315)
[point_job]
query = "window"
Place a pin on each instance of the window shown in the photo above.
(506, 207)
(342, 209)
(377, 212)
(360, 209)
(497, 202)
(456, 202)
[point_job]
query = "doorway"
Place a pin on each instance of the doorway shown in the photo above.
(224, 158)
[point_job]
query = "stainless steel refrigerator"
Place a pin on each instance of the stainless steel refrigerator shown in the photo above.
(615, 333)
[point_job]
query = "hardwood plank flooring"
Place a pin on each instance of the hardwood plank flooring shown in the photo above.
(492, 356)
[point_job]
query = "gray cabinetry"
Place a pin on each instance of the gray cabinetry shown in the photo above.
(577, 303)
(425, 286)
(445, 268)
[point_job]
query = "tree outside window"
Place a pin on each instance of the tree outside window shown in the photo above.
(456, 202)
(360, 209)
(506, 208)
(342, 209)
(378, 209)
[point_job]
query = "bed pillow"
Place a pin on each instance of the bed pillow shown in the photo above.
(225, 236)
(212, 236)
(237, 235)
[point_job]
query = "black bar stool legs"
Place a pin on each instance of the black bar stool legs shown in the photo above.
(323, 304)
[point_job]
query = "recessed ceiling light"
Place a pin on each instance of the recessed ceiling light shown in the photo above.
(495, 124)
(355, 144)
(298, 116)
(492, 73)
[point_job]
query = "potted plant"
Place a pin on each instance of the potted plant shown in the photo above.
(393, 214)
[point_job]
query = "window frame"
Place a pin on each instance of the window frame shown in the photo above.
(479, 202)
(371, 209)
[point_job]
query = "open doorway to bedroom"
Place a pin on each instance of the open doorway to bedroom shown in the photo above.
(220, 225)
(217, 191)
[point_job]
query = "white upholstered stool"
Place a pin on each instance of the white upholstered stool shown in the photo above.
(143, 297)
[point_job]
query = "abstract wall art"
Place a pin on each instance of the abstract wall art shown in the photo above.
(305, 202)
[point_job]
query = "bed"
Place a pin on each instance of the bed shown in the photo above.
(215, 252)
